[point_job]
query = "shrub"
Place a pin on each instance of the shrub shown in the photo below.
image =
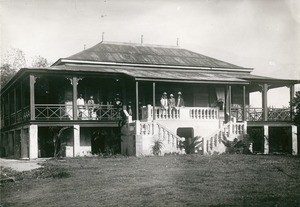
(51, 171)
(239, 145)
(156, 148)
(191, 144)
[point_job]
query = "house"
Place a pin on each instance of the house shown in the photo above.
(38, 102)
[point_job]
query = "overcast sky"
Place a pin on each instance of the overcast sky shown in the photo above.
(264, 35)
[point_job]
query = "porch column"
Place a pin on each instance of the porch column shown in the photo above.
(153, 111)
(33, 141)
(22, 100)
(244, 104)
(266, 139)
(74, 83)
(8, 108)
(15, 104)
(76, 144)
(137, 100)
(294, 140)
(228, 103)
(292, 94)
(32, 105)
(265, 101)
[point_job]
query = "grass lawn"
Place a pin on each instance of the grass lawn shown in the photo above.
(185, 180)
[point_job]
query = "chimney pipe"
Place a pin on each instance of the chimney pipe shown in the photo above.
(102, 36)
(177, 42)
(142, 39)
(84, 46)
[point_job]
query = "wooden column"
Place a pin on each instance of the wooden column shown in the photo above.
(153, 89)
(137, 100)
(228, 108)
(22, 99)
(74, 83)
(265, 101)
(32, 104)
(15, 104)
(292, 94)
(8, 109)
(244, 104)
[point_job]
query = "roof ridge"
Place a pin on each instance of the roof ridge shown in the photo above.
(139, 44)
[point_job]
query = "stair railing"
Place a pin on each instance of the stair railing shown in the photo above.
(213, 142)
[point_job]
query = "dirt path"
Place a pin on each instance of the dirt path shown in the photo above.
(21, 165)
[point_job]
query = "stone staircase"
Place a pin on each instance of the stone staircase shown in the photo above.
(213, 144)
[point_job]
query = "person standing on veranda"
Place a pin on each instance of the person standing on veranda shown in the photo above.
(164, 104)
(180, 101)
(91, 105)
(80, 105)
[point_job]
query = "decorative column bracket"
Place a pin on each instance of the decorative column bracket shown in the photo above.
(76, 82)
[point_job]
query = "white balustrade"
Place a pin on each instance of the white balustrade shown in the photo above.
(213, 142)
(179, 113)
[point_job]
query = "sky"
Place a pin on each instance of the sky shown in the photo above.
(259, 34)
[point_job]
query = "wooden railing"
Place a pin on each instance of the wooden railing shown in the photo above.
(16, 118)
(256, 114)
(213, 143)
(53, 112)
(86, 112)
(181, 113)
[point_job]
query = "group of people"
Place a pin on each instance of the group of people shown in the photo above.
(90, 105)
(81, 105)
(171, 102)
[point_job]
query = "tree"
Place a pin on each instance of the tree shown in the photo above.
(296, 104)
(6, 72)
(13, 60)
(39, 62)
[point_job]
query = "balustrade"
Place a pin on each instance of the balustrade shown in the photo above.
(153, 128)
(181, 113)
(214, 140)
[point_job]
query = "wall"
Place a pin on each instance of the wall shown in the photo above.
(201, 127)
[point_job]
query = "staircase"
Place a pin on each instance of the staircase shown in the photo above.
(212, 144)
(150, 131)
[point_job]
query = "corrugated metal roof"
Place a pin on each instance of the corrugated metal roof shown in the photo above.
(148, 54)
(141, 73)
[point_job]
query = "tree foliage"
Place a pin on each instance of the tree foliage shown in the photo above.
(6, 72)
(13, 60)
(296, 104)
(39, 61)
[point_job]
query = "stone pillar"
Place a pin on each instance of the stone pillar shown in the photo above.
(294, 140)
(33, 142)
(266, 139)
(76, 144)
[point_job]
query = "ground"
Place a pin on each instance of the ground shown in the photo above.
(179, 180)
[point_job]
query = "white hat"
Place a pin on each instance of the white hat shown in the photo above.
(171, 95)
(165, 93)
(179, 93)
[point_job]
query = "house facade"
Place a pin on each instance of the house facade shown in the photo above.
(106, 99)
